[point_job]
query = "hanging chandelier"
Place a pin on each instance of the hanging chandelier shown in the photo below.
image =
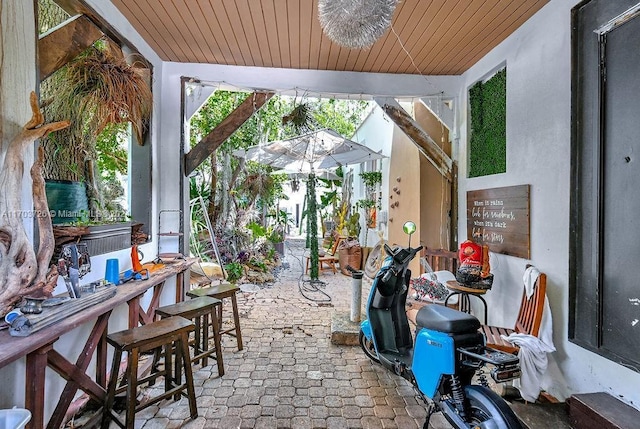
(355, 24)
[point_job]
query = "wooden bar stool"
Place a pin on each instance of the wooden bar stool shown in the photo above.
(162, 333)
(199, 310)
(222, 291)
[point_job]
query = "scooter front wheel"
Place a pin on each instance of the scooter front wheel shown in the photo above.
(487, 409)
(368, 347)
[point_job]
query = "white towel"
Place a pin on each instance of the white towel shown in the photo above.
(533, 351)
(533, 363)
(529, 278)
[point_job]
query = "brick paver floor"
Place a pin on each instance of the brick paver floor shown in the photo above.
(289, 375)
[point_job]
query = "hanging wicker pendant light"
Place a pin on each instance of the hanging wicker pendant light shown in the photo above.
(355, 24)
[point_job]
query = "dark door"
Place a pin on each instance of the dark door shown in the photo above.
(605, 165)
(621, 190)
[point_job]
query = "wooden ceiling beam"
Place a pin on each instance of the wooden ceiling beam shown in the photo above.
(65, 42)
(223, 131)
(429, 148)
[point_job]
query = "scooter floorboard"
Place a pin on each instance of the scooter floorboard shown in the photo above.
(392, 359)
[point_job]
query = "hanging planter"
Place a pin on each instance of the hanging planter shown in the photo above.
(100, 93)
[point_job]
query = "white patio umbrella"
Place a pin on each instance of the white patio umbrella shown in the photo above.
(301, 175)
(308, 154)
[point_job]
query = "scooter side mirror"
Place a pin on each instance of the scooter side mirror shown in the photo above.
(409, 228)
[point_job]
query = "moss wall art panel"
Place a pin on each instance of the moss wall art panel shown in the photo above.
(488, 137)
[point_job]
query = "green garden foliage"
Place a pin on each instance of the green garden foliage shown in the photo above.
(488, 143)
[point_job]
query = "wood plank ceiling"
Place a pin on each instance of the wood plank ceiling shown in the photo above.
(438, 37)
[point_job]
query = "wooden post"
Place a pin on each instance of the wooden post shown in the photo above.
(34, 388)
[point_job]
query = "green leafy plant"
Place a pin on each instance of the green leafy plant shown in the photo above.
(275, 235)
(281, 222)
(235, 271)
(353, 225)
(257, 230)
(312, 228)
(371, 179)
(256, 263)
(365, 204)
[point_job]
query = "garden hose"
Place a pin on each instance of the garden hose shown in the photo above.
(309, 286)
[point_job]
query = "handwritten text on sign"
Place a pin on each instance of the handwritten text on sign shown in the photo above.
(499, 218)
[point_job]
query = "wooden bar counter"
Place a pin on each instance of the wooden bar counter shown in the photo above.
(39, 351)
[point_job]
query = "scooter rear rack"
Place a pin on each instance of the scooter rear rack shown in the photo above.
(506, 365)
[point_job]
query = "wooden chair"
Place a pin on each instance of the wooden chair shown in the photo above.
(328, 260)
(528, 321)
(441, 259)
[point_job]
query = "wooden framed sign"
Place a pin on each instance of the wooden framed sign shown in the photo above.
(499, 218)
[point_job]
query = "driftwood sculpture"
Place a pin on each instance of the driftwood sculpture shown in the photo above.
(22, 272)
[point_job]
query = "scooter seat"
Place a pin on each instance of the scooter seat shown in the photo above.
(445, 319)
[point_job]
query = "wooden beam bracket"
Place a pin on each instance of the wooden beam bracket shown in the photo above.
(223, 131)
(65, 42)
(427, 146)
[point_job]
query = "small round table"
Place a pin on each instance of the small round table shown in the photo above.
(464, 292)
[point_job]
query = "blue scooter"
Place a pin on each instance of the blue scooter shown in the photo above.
(447, 353)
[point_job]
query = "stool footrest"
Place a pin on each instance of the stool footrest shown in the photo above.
(203, 311)
(163, 333)
(222, 291)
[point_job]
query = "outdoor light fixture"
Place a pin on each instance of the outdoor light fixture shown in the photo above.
(355, 24)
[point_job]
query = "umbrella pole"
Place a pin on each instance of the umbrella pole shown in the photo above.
(303, 219)
(313, 226)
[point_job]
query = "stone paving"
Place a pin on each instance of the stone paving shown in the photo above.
(289, 375)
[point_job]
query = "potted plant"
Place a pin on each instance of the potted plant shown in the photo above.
(369, 205)
(276, 237)
(277, 232)
(371, 180)
(328, 205)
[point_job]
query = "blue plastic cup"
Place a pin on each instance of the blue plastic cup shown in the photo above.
(12, 315)
(112, 272)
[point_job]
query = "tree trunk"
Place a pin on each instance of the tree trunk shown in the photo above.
(22, 272)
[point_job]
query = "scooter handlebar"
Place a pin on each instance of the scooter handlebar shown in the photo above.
(388, 249)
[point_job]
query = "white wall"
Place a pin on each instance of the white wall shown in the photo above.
(375, 132)
(538, 61)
